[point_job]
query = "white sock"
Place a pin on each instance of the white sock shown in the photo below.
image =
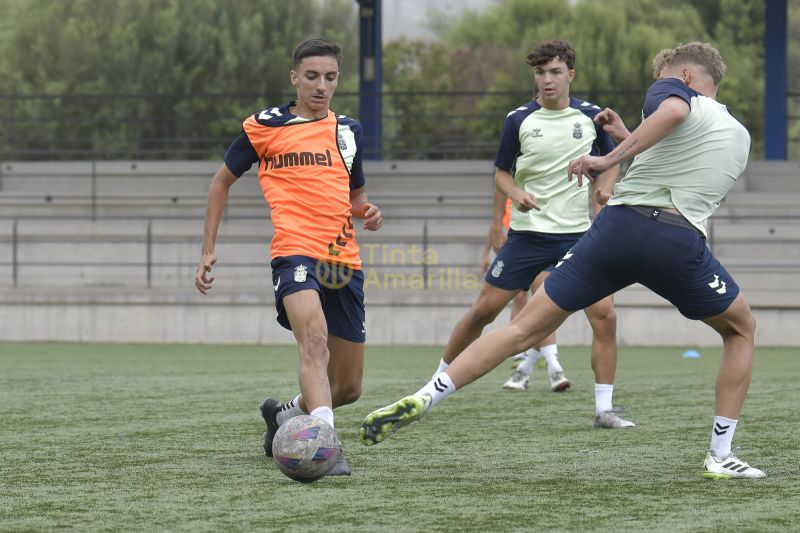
(289, 410)
(602, 397)
(324, 412)
(440, 387)
(442, 367)
(526, 365)
(722, 436)
(550, 354)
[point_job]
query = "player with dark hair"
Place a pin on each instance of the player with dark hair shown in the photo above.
(548, 218)
(310, 171)
(688, 152)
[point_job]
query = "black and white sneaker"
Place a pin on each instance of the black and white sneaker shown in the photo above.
(728, 468)
(270, 408)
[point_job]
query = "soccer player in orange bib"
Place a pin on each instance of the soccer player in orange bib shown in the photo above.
(310, 170)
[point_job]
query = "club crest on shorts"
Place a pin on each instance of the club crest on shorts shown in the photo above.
(498, 269)
(577, 131)
(300, 273)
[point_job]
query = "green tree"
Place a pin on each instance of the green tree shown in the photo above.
(180, 75)
(794, 80)
(615, 42)
(166, 71)
(739, 35)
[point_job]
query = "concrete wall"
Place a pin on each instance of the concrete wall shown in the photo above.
(103, 315)
(61, 296)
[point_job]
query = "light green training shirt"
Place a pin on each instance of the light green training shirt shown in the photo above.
(695, 165)
(536, 145)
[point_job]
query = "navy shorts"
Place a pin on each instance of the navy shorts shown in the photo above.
(624, 247)
(340, 289)
(524, 255)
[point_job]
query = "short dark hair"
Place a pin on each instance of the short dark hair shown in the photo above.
(550, 50)
(314, 48)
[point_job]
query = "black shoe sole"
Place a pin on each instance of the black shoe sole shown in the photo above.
(269, 412)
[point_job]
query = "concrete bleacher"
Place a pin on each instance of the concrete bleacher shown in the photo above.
(121, 240)
(102, 189)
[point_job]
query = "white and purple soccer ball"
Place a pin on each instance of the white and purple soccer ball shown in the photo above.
(305, 448)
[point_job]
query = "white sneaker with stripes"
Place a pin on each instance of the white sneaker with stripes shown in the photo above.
(728, 468)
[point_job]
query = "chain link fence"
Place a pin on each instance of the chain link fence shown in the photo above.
(415, 125)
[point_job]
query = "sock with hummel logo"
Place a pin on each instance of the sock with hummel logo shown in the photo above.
(722, 436)
(438, 388)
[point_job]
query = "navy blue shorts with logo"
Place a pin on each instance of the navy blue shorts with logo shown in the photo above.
(524, 255)
(624, 247)
(340, 288)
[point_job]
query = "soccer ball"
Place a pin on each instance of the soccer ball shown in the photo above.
(305, 448)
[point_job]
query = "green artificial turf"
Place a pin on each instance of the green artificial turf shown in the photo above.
(168, 437)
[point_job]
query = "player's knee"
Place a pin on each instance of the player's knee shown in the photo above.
(604, 320)
(521, 298)
(738, 321)
(345, 393)
(521, 337)
(610, 319)
(482, 313)
(748, 328)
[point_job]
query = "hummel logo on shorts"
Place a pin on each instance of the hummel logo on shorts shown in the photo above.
(719, 286)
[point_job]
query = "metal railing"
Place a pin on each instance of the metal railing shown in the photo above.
(149, 261)
(80, 192)
(415, 125)
(793, 121)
